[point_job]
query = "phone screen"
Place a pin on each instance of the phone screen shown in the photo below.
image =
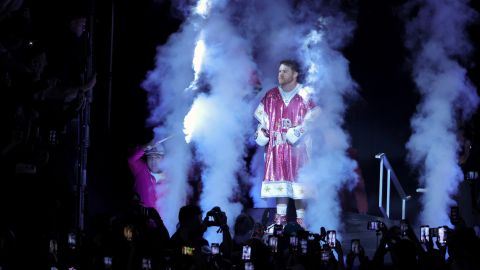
(107, 261)
(273, 243)
(249, 266)
(331, 238)
(373, 225)
(188, 251)
(293, 241)
(424, 233)
(72, 240)
(277, 230)
(246, 253)
(146, 264)
(215, 248)
(442, 235)
(304, 246)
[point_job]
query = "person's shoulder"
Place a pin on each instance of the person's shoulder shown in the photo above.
(272, 92)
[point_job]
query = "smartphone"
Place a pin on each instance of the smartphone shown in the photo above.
(355, 246)
(325, 255)
(215, 248)
(249, 266)
(331, 238)
(72, 240)
(53, 246)
(442, 235)
(146, 264)
(373, 225)
(188, 251)
(424, 233)
(433, 232)
(144, 211)
(277, 230)
(107, 262)
(403, 228)
(246, 253)
(472, 175)
(304, 246)
(293, 242)
(128, 232)
(273, 243)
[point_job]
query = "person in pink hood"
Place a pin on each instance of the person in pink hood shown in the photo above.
(145, 166)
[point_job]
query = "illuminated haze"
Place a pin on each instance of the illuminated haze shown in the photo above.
(437, 39)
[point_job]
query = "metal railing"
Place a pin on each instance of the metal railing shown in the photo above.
(391, 177)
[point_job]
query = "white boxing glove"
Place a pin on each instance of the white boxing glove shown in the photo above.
(294, 134)
(260, 137)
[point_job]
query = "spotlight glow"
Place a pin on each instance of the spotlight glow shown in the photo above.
(203, 8)
(198, 57)
(192, 120)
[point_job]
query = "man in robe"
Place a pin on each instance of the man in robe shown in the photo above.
(281, 115)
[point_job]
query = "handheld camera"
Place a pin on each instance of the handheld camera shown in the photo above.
(214, 216)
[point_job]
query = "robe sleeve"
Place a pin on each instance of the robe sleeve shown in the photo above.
(262, 118)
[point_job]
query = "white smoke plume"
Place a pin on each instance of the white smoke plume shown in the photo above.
(285, 29)
(221, 118)
(330, 168)
(169, 102)
(437, 39)
(241, 38)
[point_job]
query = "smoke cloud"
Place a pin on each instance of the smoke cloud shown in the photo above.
(328, 77)
(169, 103)
(222, 120)
(437, 39)
(208, 92)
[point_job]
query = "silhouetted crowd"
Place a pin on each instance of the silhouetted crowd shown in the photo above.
(138, 239)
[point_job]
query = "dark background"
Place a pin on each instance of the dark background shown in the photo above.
(378, 121)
